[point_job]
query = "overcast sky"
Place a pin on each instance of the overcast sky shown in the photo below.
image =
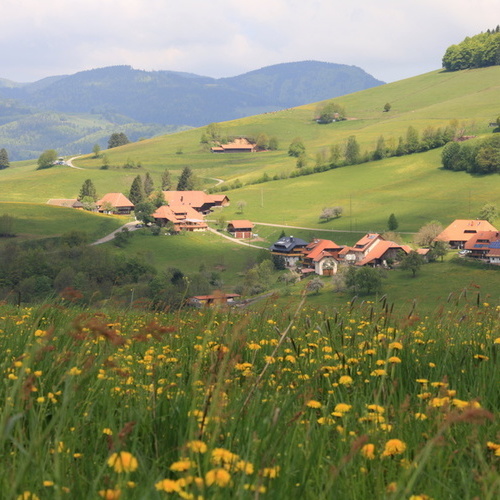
(390, 39)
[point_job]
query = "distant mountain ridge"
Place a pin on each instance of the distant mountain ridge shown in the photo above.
(174, 99)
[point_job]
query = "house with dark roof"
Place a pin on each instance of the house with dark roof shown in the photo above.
(290, 248)
(116, 203)
(462, 230)
(214, 299)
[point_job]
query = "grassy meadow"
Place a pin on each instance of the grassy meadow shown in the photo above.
(310, 403)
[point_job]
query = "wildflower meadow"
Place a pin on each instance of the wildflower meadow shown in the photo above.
(199, 404)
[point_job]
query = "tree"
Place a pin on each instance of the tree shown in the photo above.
(96, 150)
(47, 159)
(387, 107)
(296, 148)
(273, 143)
(381, 149)
(439, 250)
(262, 141)
(159, 199)
(186, 180)
(136, 194)
(166, 180)
(88, 203)
(392, 223)
(301, 161)
(331, 112)
(412, 262)
(4, 159)
(352, 151)
(88, 190)
(214, 132)
(315, 285)
(122, 237)
(412, 141)
(489, 212)
(427, 233)
(117, 139)
(364, 280)
(331, 212)
(241, 206)
(149, 185)
(144, 210)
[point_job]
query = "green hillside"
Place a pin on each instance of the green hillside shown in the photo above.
(413, 187)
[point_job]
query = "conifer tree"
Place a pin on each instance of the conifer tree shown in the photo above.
(166, 181)
(392, 223)
(149, 185)
(136, 191)
(186, 180)
(88, 190)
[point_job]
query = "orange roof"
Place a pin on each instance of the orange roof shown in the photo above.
(365, 241)
(239, 143)
(380, 249)
(178, 215)
(116, 200)
(241, 224)
(195, 199)
(485, 237)
(464, 229)
(321, 248)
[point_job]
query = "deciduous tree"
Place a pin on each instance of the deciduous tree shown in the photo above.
(412, 262)
(427, 233)
(88, 190)
(296, 148)
(149, 184)
(352, 151)
(166, 180)
(117, 139)
(47, 159)
(489, 212)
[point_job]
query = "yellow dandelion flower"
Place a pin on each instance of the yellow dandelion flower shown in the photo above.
(396, 345)
(376, 408)
(168, 485)
(394, 359)
(221, 455)
(182, 465)
(74, 371)
(244, 466)
(48, 483)
(107, 431)
(368, 451)
(342, 408)
(345, 380)
(312, 403)
(393, 447)
(110, 494)
(197, 446)
(123, 462)
(219, 477)
(27, 495)
(420, 416)
(378, 373)
(270, 472)
(253, 346)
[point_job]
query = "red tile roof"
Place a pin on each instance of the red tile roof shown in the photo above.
(241, 224)
(318, 249)
(464, 229)
(116, 200)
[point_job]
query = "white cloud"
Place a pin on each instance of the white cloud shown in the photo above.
(391, 39)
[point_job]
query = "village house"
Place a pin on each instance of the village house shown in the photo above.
(66, 202)
(238, 145)
(183, 218)
(215, 299)
(485, 246)
(322, 257)
(199, 200)
(290, 248)
(115, 203)
(373, 250)
(462, 230)
(240, 228)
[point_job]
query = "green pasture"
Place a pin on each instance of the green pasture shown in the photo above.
(32, 221)
(190, 252)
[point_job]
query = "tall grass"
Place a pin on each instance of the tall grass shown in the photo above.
(301, 403)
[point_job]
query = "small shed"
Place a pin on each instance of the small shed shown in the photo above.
(240, 228)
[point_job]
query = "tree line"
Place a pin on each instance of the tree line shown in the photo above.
(474, 157)
(477, 51)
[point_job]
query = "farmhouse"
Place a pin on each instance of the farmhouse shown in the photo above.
(67, 203)
(239, 145)
(360, 250)
(116, 203)
(215, 299)
(322, 256)
(462, 230)
(183, 218)
(485, 246)
(290, 248)
(240, 228)
(199, 200)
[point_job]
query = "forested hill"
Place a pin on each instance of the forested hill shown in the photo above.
(174, 98)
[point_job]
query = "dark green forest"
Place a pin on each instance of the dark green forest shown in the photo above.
(477, 51)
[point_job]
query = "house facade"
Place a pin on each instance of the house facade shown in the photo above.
(460, 231)
(290, 248)
(115, 203)
(322, 256)
(183, 218)
(240, 228)
(484, 246)
(238, 145)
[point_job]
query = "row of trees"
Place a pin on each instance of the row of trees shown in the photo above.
(475, 157)
(474, 52)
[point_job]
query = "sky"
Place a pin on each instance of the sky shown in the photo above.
(390, 39)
